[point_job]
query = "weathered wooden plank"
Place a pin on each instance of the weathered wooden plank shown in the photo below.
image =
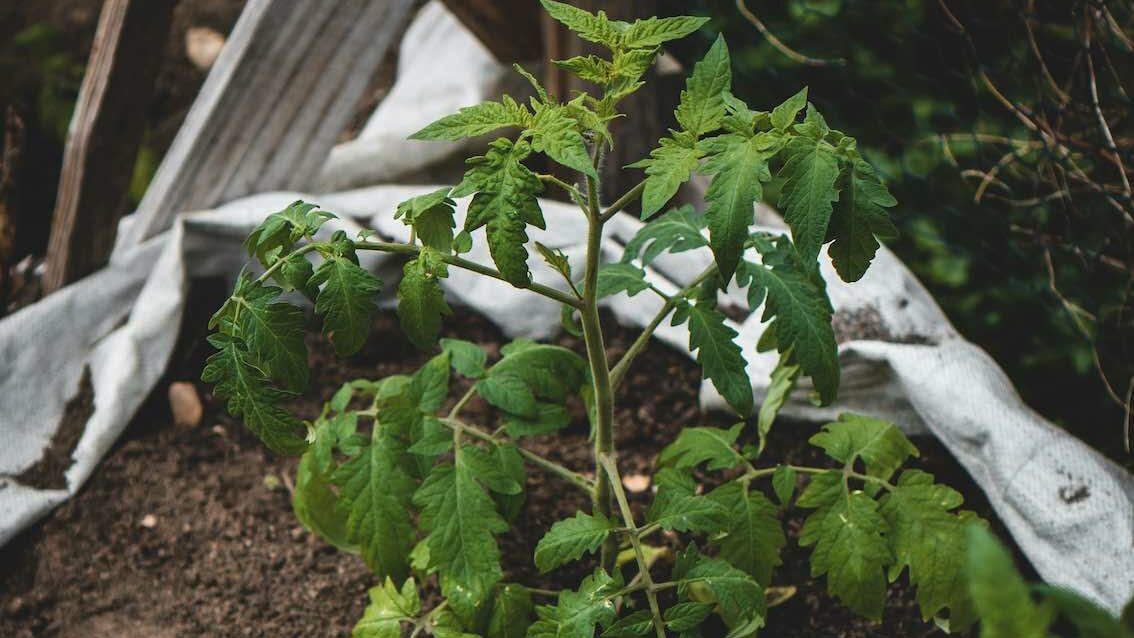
(510, 29)
(106, 130)
(272, 108)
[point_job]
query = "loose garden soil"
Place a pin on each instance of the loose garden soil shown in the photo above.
(188, 531)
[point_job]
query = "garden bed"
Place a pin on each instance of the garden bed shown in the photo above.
(189, 530)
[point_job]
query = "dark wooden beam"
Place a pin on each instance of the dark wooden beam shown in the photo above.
(510, 29)
(106, 131)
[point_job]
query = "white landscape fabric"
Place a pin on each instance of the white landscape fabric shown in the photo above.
(1070, 510)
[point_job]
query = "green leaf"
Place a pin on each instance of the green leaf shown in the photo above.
(621, 277)
(702, 102)
(859, 220)
(346, 302)
(928, 539)
(577, 613)
(421, 301)
(274, 331)
(783, 483)
(375, 495)
(431, 216)
(797, 301)
(430, 384)
(753, 534)
(512, 612)
(569, 539)
(314, 505)
(669, 166)
(505, 202)
(810, 171)
(850, 545)
(523, 379)
(653, 32)
(676, 231)
(295, 273)
(588, 26)
(783, 381)
(554, 133)
(879, 444)
(1001, 597)
(462, 522)
(639, 623)
(387, 610)
(686, 616)
(677, 511)
(466, 357)
(279, 231)
(784, 115)
(739, 165)
(719, 357)
(480, 119)
(1090, 620)
(590, 68)
(555, 258)
(738, 598)
(694, 446)
(239, 378)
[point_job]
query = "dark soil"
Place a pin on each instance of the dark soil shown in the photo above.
(188, 531)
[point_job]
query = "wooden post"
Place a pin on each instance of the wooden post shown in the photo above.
(10, 173)
(106, 130)
(510, 29)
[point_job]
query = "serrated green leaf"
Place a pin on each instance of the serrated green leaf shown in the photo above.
(295, 273)
(1000, 596)
(621, 277)
(274, 331)
(238, 377)
(685, 616)
(554, 134)
(631, 64)
(480, 119)
(279, 231)
(653, 32)
(431, 216)
(702, 102)
(387, 610)
(738, 598)
(375, 495)
(850, 547)
(569, 539)
(462, 522)
(677, 511)
(527, 376)
(549, 418)
(466, 357)
(669, 166)
(928, 539)
(859, 220)
(512, 612)
(505, 202)
(676, 231)
(588, 26)
(783, 483)
(782, 383)
(810, 171)
(314, 505)
(346, 302)
(421, 301)
(577, 613)
(739, 166)
(879, 444)
(430, 384)
(784, 115)
(720, 358)
(797, 302)
(639, 623)
(694, 446)
(753, 534)
(590, 68)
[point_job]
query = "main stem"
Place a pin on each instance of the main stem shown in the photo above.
(600, 371)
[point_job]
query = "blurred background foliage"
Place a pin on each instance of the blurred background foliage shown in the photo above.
(1004, 129)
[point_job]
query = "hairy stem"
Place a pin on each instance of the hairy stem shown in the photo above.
(610, 469)
(576, 479)
(452, 260)
(603, 416)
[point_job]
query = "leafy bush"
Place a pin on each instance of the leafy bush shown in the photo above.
(421, 494)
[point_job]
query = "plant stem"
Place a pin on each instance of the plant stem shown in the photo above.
(603, 416)
(755, 473)
(453, 260)
(576, 196)
(618, 373)
(611, 470)
(623, 202)
(572, 477)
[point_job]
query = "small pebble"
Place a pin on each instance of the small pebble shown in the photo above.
(149, 521)
(636, 483)
(203, 46)
(185, 404)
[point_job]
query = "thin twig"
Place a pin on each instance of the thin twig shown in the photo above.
(779, 44)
